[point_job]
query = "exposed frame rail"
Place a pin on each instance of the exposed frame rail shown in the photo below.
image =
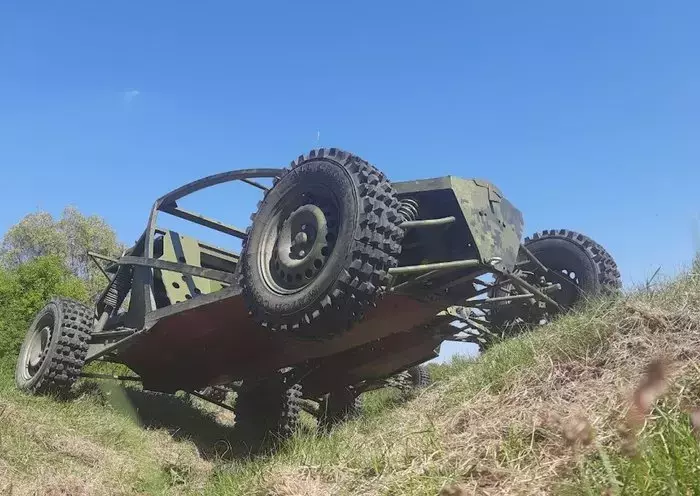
(196, 218)
(141, 259)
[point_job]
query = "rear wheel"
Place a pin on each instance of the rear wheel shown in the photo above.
(267, 414)
(321, 245)
(420, 377)
(54, 348)
(582, 267)
(339, 406)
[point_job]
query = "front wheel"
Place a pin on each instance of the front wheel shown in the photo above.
(54, 348)
(321, 245)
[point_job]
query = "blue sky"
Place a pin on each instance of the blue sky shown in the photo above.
(585, 114)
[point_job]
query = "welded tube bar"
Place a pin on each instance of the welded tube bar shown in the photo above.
(522, 284)
(500, 299)
(534, 259)
(90, 375)
(482, 283)
(413, 224)
(103, 257)
(415, 280)
(480, 292)
(190, 270)
(204, 221)
(119, 333)
(215, 179)
(104, 272)
(309, 406)
(480, 320)
(414, 269)
(256, 184)
(210, 400)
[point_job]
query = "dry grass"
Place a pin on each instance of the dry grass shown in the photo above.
(537, 415)
(87, 448)
(602, 400)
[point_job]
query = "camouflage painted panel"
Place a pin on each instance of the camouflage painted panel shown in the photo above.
(495, 224)
(179, 287)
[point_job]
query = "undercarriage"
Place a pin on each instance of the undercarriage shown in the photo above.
(345, 282)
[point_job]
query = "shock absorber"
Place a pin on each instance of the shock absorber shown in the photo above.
(115, 295)
(118, 288)
(408, 209)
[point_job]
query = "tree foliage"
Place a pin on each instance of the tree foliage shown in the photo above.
(68, 238)
(26, 289)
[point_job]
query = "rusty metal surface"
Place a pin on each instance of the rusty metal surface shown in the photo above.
(219, 342)
(375, 360)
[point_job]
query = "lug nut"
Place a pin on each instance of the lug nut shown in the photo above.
(300, 239)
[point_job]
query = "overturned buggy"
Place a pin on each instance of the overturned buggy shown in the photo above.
(343, 280)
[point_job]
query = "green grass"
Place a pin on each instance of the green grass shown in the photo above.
(96, 443)
(668, 463)
(483, 425)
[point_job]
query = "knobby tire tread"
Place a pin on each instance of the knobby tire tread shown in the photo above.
(68, 357)
(374, 250)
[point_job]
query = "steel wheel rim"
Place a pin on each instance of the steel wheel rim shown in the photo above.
(300, 238)
(36, 350)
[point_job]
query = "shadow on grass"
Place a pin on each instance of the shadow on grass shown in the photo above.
(176, 414)
(186, 420)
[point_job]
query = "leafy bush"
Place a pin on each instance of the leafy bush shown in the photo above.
(23, 291)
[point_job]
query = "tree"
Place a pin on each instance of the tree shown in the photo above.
(23, 291)
(69, 239)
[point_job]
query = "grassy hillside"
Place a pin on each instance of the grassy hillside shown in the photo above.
(599, 402)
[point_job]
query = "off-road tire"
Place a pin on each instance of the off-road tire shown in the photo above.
(338, 407)
(214, 393)
(597, 271)
(420, 376)
(65, 353)
(267, 414)
(367, 245)
(604, 273)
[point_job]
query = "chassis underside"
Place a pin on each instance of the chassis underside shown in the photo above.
(365, 279)
(207, 338)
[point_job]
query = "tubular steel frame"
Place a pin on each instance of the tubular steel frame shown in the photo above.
(113, 331)
(142, 315)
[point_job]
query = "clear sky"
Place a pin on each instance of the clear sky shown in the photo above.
(585, 114)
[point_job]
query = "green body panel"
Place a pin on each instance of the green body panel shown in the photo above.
(496, 226)
(180, 287)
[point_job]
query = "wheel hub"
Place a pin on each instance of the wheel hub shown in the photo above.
(36, 353)
(303, 245)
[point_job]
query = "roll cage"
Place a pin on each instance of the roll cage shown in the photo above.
(135, 271)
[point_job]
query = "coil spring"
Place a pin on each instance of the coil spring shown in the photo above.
(119, 288)
(408, 209)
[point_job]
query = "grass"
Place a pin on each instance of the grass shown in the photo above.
(94, 444)
(544, 413)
